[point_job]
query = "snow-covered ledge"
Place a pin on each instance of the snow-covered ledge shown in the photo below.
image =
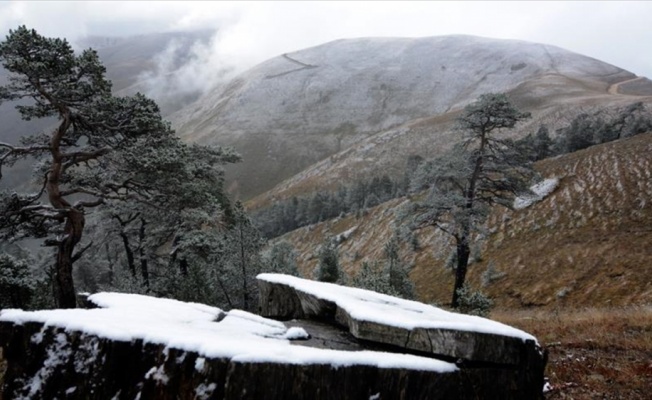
(132, 346)
(412, 326)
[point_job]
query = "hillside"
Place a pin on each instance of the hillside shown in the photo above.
(388, 151)
(357, 99)
(586, 244)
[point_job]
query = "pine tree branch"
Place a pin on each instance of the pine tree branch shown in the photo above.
(81, 251)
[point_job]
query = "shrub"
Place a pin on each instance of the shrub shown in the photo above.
(16, 284)
(328, 269)
(473, 302)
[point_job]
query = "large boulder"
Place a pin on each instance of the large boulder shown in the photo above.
(69, 364)
(407, 326)
(132, 346)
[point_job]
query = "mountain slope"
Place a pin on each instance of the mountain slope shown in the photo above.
(586, 244)
(297, 109)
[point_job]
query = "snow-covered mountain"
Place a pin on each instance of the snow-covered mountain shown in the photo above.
(299, 108)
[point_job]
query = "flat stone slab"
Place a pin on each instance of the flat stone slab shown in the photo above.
(42, 362)
(132, 346)
(401, 323)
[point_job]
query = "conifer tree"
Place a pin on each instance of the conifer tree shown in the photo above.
(281, 258)
(16, 285)
(483, 170)
(103, 150)
(328, 269)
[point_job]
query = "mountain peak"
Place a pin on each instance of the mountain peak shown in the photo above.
(301, 107)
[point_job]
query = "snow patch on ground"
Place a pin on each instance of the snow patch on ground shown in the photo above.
(539, 192)
(345, 235)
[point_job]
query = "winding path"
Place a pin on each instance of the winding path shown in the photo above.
(613, 89)
(294, 61)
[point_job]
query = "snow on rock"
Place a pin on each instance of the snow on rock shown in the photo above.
(539, 192)
(344, 236)
(366, 305)
(389, 321)
(136, 346)
(296, 333)
(240, 336)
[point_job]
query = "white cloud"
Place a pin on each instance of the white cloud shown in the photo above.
(250, 32)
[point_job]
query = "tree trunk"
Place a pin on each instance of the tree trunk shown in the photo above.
(245, 294)
(144, 271)
(463, 253)
(65, 287)
(108, 258)
(226, 293)
(129, 253)
(183, 267)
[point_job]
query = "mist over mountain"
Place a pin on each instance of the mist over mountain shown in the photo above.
(297, 109)
(170, 67)
(338, 110)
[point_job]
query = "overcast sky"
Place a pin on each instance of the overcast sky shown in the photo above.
(616, 32)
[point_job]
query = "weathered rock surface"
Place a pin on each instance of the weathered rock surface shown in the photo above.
(289, 298)
(92, 356)
(73, 365)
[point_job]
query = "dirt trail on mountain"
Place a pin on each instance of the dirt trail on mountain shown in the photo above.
(613, 89)
(294, 61)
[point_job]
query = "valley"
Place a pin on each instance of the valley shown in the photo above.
(571, 266)
(584, 245)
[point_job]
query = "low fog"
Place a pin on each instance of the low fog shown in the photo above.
(246, 33)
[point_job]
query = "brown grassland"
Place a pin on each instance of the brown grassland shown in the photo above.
(573, 269)
(595, 353)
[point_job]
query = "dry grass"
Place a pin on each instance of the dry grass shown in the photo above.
(585, 245)
(593, 353)
(588, 243)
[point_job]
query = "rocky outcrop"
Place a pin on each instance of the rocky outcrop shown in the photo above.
(471, 350)
(117, 351)
(73, 365)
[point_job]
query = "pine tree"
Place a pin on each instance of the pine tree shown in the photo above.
(542, 144)
(328, 269)
(281, 258)
(397, 272)
(16, 284)
(103, 151)
(482, 171)
(372, 276)
(243, 244)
